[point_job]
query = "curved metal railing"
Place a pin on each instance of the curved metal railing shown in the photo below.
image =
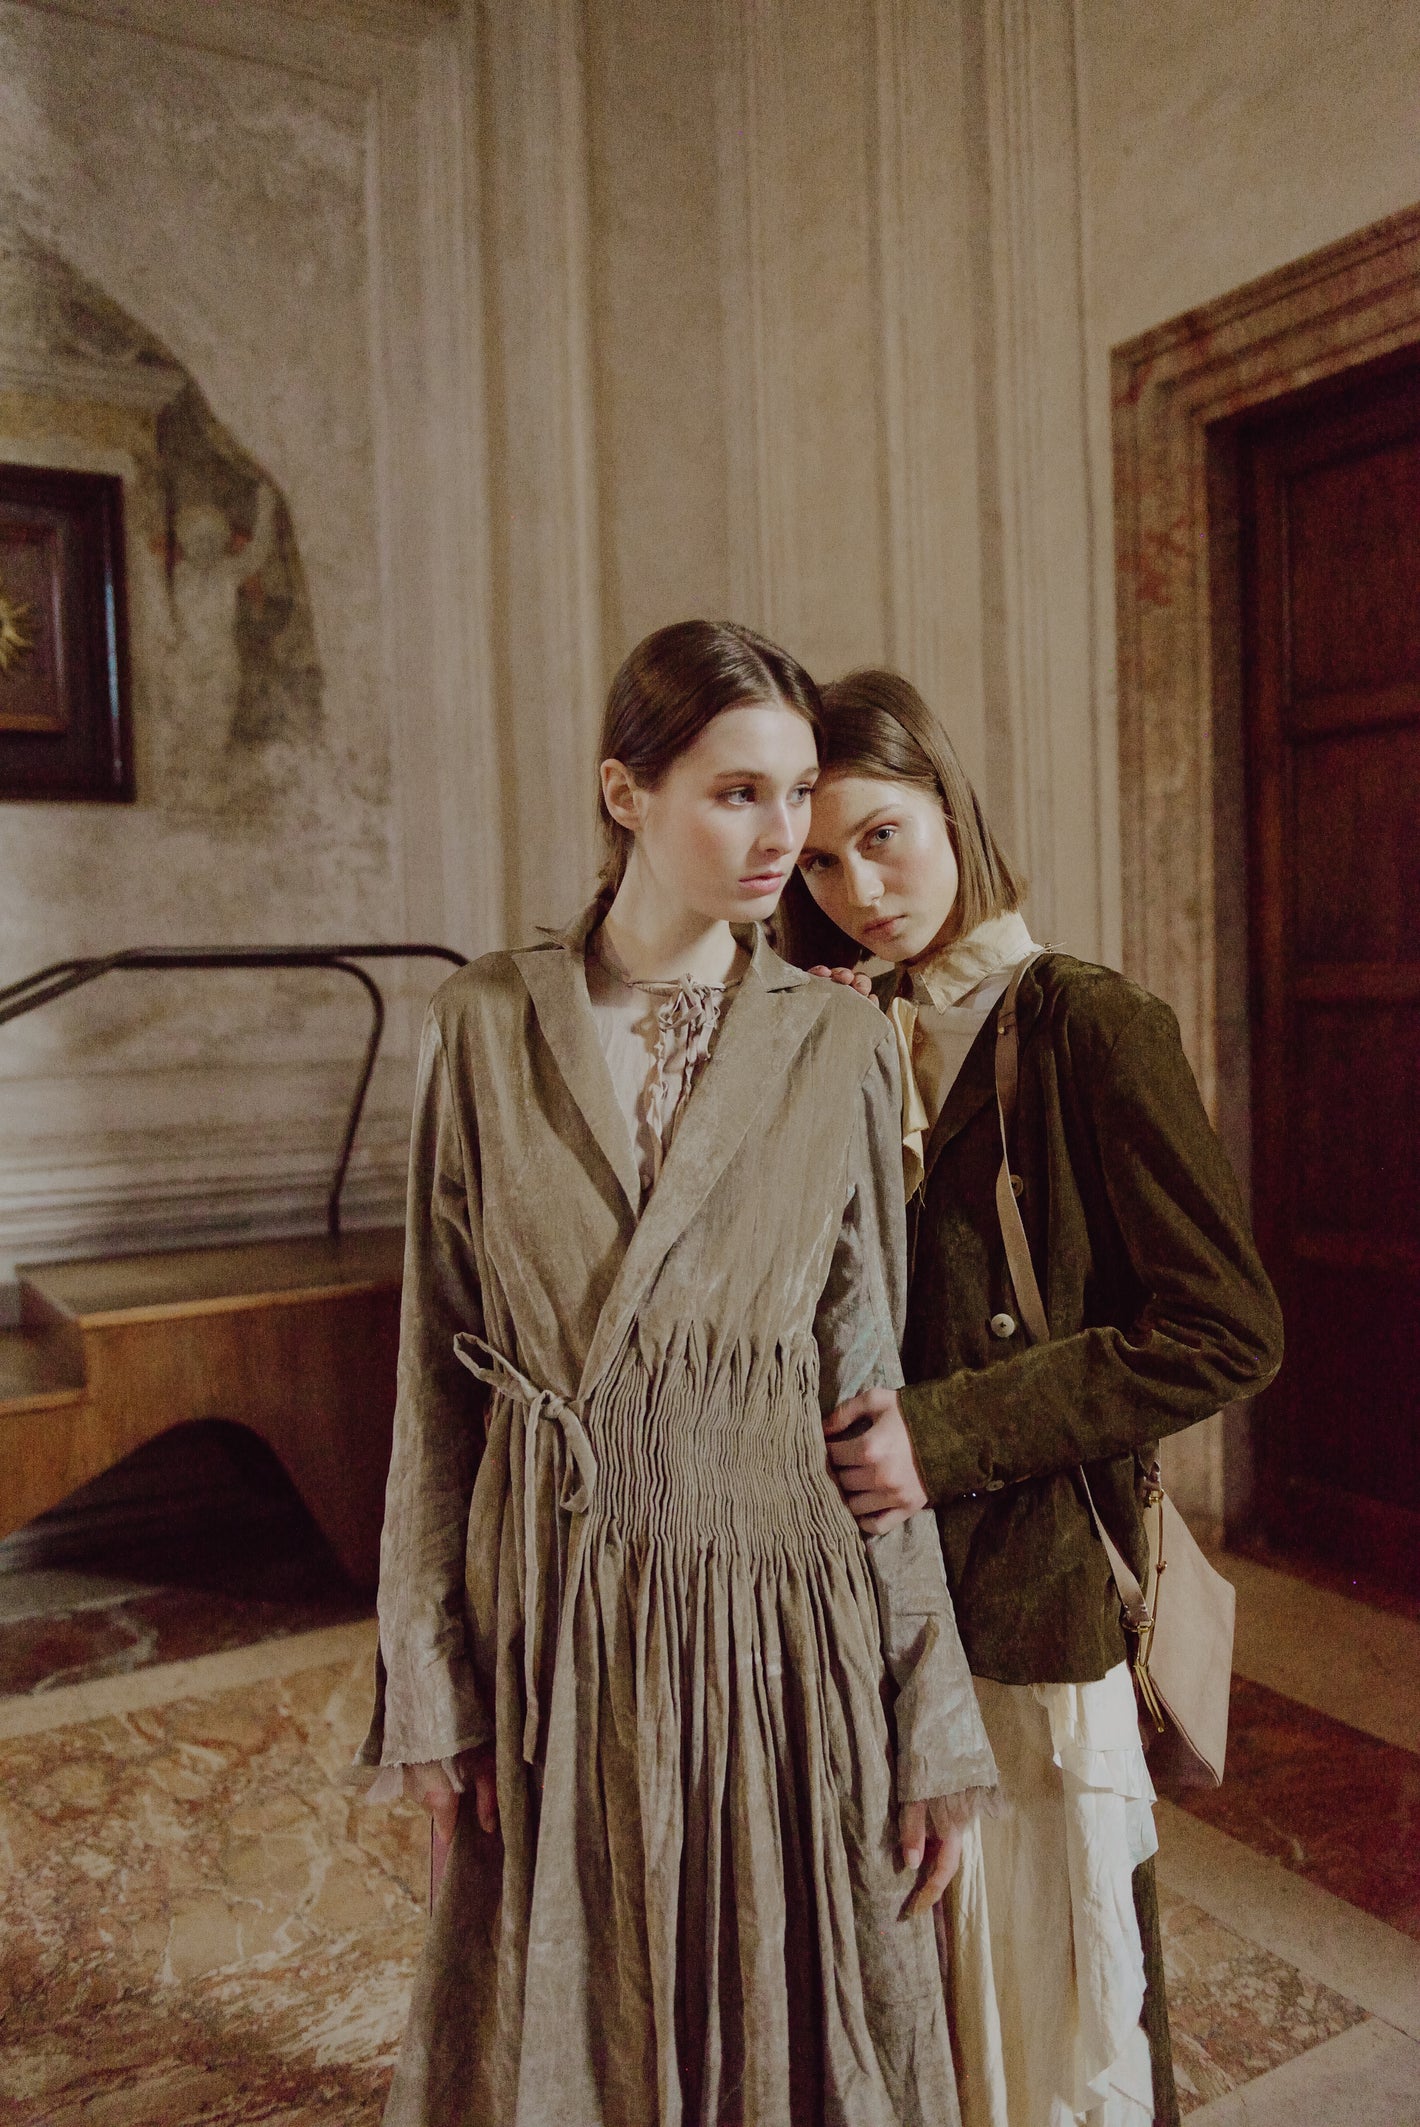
(65, 976)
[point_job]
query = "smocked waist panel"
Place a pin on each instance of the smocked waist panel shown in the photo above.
(733, 1462)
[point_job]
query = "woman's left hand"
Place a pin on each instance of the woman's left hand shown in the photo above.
(871, 1455)
(849, 977)
(931, 1843)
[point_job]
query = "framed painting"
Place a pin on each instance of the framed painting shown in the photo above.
(64, 710)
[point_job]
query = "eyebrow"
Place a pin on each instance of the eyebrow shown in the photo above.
(811, 849)
(757, 775)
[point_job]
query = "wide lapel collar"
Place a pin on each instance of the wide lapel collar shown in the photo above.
(765, 1024)
(556, 979)
(976, 1081)
(974, 1085)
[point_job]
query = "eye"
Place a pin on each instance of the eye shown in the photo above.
(801, 793)
(880, 835)
(741, 794)
(814, 863)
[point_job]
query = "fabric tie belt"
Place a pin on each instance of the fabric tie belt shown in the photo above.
(578, 1478)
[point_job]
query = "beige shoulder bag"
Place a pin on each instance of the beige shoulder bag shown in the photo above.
(1182, 1657)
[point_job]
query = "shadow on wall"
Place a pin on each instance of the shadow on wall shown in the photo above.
(238, 643)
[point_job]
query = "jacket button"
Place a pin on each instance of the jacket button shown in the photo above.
(994, 1484)
(1003, 1325)
(1018, 1187)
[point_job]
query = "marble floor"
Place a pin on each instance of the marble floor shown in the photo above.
(202, 1926)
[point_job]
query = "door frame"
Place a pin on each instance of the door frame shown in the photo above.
(1177, 391)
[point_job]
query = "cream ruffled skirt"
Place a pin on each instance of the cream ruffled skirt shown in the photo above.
(1040, 1942)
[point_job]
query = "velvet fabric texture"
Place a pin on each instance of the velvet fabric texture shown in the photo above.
(1160, 1312)
(613, 1550)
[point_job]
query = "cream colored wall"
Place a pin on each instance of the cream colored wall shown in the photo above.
(755, 307)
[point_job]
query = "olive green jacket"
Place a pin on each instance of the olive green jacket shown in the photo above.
(1160, 1312)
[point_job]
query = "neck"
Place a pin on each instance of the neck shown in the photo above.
(657, 938)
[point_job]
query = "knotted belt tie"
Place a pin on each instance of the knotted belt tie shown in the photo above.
(578, 1483)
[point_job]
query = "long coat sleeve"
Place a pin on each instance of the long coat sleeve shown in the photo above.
(942, 1748)
(432, 1705)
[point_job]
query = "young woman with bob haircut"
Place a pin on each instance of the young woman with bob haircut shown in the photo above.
(1159, 1313)
(633, 1645)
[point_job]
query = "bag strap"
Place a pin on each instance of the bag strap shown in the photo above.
(1133, 1600)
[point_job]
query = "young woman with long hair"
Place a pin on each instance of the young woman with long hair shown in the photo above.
(633, 1646)
(1159, 1312)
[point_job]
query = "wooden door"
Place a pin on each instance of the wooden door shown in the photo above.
(1331, 601)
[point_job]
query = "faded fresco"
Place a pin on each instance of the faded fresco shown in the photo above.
(184, 300)
(237, 668)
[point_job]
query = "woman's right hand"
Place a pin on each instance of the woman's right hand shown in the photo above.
(849, 977)
(431, 1787)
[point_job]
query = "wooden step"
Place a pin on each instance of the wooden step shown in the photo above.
(196, 1281)
(37, 1372)
(296, 1340)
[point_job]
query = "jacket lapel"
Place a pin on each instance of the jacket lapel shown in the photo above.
(764, 1027)
(557, 983)
(976, 1081)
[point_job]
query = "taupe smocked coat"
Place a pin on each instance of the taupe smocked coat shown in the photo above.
(612, 1548)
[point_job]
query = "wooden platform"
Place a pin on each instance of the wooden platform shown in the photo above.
(296, 1340)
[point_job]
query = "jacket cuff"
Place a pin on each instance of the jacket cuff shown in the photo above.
(949, 1462)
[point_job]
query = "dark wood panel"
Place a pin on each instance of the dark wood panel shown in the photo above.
(1358, 1160)
(1353, 533)
(1330, 560)
(1358, 982)
(1336, 709)
(1351, 1329)
(1354, 822)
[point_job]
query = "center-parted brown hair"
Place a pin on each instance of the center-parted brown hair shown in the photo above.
(876, 724)
(670, 687)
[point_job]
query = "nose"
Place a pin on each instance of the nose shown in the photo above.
(776, 834)
(865, 888)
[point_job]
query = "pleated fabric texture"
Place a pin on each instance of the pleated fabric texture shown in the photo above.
(612, 1549)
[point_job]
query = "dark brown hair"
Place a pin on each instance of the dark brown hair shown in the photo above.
(876, 724)
(671, 686)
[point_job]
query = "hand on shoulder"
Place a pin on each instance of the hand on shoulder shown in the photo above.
(851, 978)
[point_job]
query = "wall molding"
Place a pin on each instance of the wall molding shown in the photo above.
(1042, 500)
(912, 276)
(752, 98)
(547, 602)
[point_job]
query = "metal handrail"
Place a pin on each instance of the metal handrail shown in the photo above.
(47, 984)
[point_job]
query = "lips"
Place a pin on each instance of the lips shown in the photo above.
(764, 882)
(883, 923)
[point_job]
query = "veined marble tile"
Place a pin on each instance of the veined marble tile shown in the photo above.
(1357, 1956)
(202, 1923)
(1345, 1659)
(1340, 1807)
(49, 1651)
(1369, 2076)
(36, 1712)
(1236, 2009)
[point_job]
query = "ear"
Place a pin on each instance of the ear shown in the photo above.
(622, 795)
